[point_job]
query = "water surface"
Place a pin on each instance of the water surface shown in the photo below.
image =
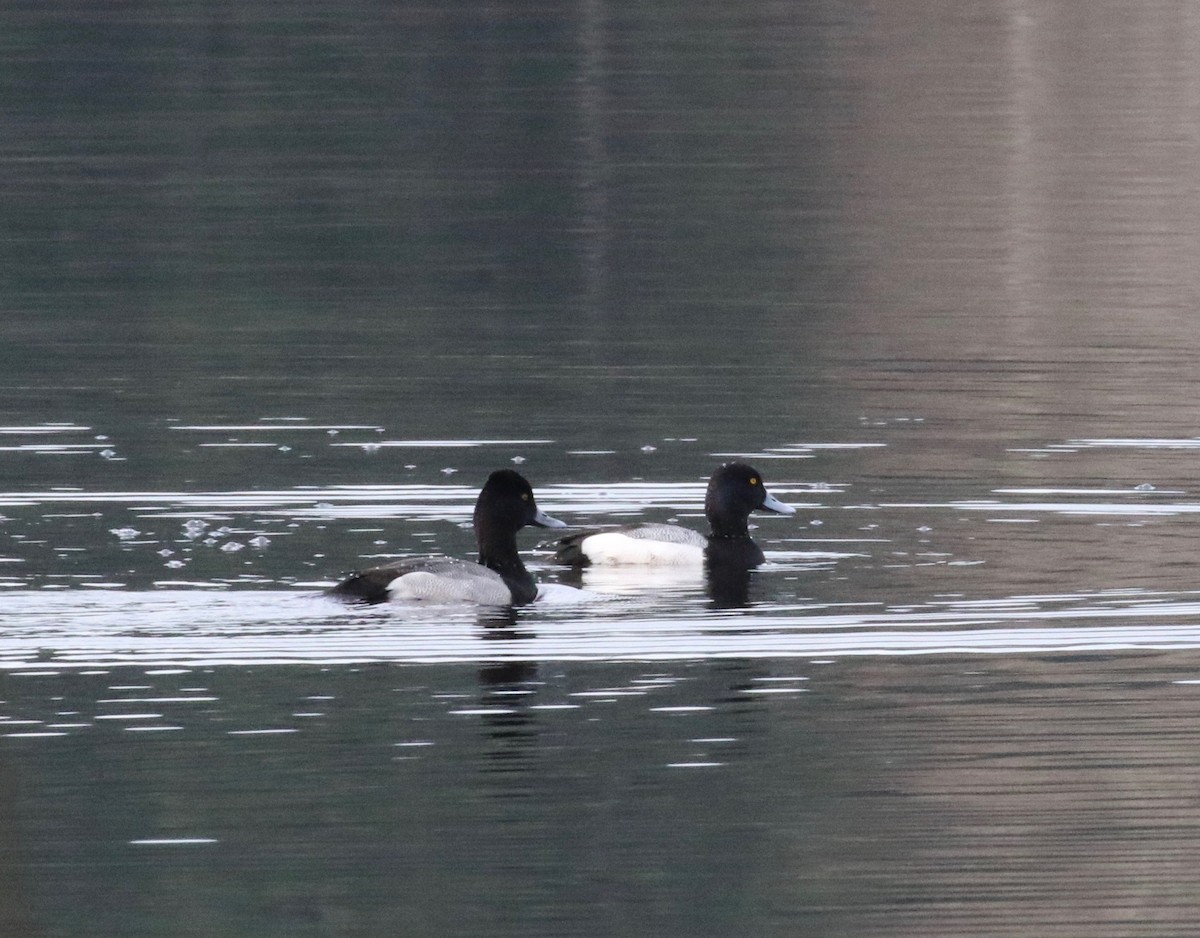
(282, 285)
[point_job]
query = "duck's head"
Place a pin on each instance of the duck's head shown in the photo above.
(735, 490)
(506, 504)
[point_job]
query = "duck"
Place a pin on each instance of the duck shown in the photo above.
(734, 490)
(499, 578)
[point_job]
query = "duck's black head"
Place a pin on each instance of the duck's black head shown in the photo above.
(505, 505)
(735, 490)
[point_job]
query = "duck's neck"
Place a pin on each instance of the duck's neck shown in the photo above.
(725, 527)
(500, 554)
(733, 552)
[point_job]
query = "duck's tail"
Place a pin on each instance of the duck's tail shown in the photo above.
(370, 586)
(569, 550)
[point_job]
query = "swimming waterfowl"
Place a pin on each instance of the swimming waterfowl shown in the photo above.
(735, 490)
(505, 505)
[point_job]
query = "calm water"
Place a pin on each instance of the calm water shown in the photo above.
(282, 283)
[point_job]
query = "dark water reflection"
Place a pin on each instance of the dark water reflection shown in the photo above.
(301, 274)
(937, 796)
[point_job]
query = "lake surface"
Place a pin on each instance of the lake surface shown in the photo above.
(282, 284)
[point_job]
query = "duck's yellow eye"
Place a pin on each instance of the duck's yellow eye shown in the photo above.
(524, 496)
(753, 480)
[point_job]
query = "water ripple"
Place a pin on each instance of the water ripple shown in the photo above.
(188, 629)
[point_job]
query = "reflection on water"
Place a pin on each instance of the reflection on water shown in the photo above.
(77, 629)
(862, 796)
(281, 286)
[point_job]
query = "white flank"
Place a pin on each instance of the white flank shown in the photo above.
(612, 548)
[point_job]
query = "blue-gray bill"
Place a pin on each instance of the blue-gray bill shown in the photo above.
(771, 503)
